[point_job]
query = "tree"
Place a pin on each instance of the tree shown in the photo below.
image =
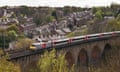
(8, 35)
(49, 18)
(118, 17)
(12, 35)
(76, 9)
(54, 14)
(113, 25)
(39, 18)
(6, 66)
(95, 9)
(23, 43)
(13, 27)
(4, 39)
(50, 63)
(67, 10)
(98, 14)
(26, 10)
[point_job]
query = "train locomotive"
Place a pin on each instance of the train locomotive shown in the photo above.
(66, 41)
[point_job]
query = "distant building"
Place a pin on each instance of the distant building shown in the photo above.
(27, 27)
(2, 26)
(59, 14)
(109, 17)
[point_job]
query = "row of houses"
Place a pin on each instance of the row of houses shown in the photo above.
(75, 18)
(65, 26)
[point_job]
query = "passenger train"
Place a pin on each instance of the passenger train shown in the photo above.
(54, 43)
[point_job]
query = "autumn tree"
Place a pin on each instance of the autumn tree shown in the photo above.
(113, 25)
(23, 43)
(48, 62)
(118, 17)
(13, 27)
(7, 66)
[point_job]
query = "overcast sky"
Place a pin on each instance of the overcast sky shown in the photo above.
(58, 3)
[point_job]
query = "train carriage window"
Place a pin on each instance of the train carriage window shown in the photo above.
(60, 41)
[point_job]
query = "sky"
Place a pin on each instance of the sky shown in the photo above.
(58, 3)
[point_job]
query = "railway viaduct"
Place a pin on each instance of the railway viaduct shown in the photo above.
(88, 51)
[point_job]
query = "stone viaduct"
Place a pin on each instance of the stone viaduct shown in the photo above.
(81, 54)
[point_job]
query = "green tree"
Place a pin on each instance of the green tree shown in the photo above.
(4, 39)
(49, 18)
(12, 35)
(95, 9)
(8, 35)
(54, 14)
(98, 14)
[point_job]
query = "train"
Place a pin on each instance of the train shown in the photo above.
(66, 41)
